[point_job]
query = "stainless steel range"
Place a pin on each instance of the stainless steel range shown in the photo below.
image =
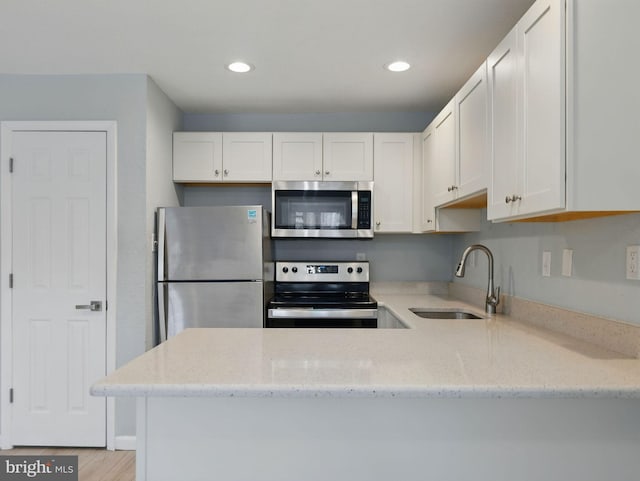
(322, 294)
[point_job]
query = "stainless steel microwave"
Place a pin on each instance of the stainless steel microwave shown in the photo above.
(322, 209)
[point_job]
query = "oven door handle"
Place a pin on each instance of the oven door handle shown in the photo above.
(310, 313)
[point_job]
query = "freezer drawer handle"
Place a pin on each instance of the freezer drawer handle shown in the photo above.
(93, 306)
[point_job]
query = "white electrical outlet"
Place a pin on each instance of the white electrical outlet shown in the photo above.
(567, 262)
(546, 264)
(633, 264)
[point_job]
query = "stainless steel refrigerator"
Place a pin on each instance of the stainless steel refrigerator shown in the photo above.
(215, 267)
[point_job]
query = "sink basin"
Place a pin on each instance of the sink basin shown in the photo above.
(443, 313)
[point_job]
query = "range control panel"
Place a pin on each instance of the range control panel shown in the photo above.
(357, 271)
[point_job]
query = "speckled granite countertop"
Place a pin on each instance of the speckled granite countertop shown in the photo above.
(493, 357)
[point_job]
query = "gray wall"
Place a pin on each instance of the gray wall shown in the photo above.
(145, 119)
(310, 122)
(163, 118)
(101, 97)
(598, 284)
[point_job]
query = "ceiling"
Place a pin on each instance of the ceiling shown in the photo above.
(309, 56)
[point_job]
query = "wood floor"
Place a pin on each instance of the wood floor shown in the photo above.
(93, 464)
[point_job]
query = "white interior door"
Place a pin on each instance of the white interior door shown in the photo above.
(59, 265)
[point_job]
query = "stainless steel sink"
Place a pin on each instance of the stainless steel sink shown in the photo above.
(443, 313)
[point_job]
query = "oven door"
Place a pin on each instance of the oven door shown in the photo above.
(323, 317)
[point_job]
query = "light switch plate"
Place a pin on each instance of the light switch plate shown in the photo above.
(546, 264)
(567, 262)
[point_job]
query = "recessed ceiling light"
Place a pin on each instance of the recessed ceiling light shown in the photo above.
(398, 66)
(239, 67)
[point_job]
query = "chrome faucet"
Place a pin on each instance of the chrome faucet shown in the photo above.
(493, 295)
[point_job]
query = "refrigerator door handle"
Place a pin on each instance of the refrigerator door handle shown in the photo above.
(161, 244)
(163, 295)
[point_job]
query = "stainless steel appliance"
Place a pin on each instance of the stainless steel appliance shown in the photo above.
(322, 209)
(215, 267)
(322, 294)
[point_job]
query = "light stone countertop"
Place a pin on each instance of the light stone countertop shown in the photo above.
(493, 357)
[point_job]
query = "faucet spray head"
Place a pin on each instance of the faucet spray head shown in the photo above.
(460, 270)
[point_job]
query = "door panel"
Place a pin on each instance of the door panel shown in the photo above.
(213, 243)
(59, 232)
(543, 159)
(213, 304)
(503, 90)
(444, 162)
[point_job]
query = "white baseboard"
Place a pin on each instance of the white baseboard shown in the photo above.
(125, 443)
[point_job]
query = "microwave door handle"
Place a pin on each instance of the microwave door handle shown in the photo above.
(354, 209)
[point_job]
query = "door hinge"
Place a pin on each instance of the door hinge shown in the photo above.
(11, 164)
(11, 395)
(10, 281)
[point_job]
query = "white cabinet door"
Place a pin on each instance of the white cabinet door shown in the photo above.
(502, 67)
(428, 223)
(527, 85)
(348, 156)
(472, 116)
(443, 166)
(542, 128)
(247, 156)
(393, 181)
(297, 156)
(197, 157)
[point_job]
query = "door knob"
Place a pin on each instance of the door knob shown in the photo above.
(92, 306)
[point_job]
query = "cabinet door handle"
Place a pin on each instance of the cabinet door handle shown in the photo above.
(326, 172)
(507, 199)
(318, 172)
(226, 172)
(378, 224)
(216, 172)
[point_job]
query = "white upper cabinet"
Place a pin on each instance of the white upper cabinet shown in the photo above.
(443, 168)
(527, 78)
(318, 156)
(503, 81)
(197, 156)
(247, 156)
(564, 142)
(428, 221)
(440, 219)
(297, 156)
(347, 156)
(218, 157)
(472, 140)
(393, 181)
(461, 138)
